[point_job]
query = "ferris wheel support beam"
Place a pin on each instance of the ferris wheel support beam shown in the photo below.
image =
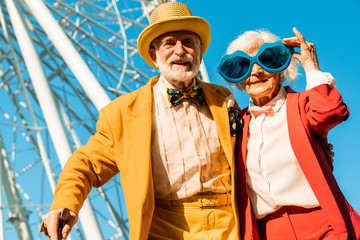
(42, 152)
(203, 71)
(49, 107)
(68, 52)
(19, 215)
(2, 232)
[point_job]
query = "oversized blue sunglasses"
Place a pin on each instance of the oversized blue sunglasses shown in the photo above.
(272, 57)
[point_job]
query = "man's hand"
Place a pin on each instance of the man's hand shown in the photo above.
(59, 222)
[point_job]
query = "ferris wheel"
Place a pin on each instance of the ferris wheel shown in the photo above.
(60, 62)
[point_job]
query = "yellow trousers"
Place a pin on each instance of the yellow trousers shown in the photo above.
(201, 217)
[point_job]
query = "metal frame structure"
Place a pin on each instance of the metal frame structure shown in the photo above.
(60, 62)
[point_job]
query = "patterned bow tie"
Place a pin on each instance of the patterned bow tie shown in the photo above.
(255, 110)
(194, 94)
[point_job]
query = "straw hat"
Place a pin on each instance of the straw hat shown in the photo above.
(170, 17)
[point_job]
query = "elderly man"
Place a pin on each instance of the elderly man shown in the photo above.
(171, 140)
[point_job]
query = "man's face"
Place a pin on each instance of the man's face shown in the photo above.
(177, 55)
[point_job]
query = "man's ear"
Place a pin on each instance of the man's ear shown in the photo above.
(152, 54)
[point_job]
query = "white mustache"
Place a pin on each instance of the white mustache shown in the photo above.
(186, 58)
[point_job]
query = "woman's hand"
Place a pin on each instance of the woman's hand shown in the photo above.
(307, 55)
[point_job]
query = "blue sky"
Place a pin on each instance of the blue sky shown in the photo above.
(334, 28)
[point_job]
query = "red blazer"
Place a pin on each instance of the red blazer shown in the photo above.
(310, 115)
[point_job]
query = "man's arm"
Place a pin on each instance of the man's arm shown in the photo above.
(90, 166)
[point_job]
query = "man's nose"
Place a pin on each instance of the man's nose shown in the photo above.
(179, 49)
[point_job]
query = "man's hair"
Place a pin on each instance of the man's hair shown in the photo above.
(251, 41)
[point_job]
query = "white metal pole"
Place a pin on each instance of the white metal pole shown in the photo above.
(70, 55)
(48, 107)
(19, 215)
(204, 74)
(40, 83)
(2, 232)
(45, 160)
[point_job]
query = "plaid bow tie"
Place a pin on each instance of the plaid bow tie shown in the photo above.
(194, 94)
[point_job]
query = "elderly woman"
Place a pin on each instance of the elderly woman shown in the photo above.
(286, 186)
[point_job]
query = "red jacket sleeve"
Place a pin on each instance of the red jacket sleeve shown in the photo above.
(324, 108)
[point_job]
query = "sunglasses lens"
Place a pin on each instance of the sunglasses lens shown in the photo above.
(275, 57)
(236, 67)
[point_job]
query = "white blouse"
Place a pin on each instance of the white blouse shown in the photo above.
(274, 176)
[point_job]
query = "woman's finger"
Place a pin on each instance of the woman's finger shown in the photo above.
(292, 42)
(299, 36)
(297, 56)
(307, 55)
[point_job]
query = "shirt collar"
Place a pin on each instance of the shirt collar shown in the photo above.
(163, 84)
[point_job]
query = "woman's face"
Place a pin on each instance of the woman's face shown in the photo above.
(262, 86)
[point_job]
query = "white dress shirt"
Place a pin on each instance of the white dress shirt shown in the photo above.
(186, 152)
(274, 176)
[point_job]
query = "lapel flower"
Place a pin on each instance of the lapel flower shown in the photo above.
(230, 101)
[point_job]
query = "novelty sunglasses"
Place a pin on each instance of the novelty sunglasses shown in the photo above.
(272, 57)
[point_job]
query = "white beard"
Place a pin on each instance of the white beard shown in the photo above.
(181, 75)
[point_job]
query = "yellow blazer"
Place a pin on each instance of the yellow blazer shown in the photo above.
(122, 144)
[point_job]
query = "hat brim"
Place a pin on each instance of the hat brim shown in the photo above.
(193, 24)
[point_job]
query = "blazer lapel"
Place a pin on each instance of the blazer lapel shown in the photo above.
(137, 140)
(138, 124)
(218, 109)
(246, 118)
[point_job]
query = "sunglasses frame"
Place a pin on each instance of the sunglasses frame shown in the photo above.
(254, 59)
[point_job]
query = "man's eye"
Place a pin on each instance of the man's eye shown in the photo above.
(168, 44)
(188, 43)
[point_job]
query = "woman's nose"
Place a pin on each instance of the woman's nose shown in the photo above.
(256, 69)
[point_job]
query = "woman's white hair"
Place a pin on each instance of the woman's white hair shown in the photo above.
(251, 41)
